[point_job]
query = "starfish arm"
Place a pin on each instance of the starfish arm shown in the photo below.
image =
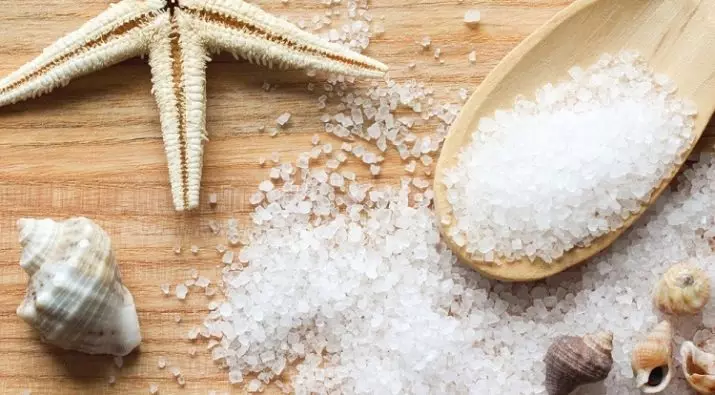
(178, 64)
(246, 30)
(119, 33)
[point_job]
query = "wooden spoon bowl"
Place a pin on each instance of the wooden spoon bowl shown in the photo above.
(675, 37)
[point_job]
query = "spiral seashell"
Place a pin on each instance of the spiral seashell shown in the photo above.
(699, 366)
(683, 289)
(572, 361)
(75, 297)
(652, 359)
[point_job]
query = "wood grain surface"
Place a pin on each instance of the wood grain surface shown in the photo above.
(94, 148)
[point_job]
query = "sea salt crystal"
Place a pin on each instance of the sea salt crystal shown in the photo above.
(266, 186)
(472, 17)
(202, 282)
(165, 288)
(336, 180)
(375, 170)
(213, 199)
(256, 198)
(472, 57)
(227, 258)
(235, 377)
(194, 249)
(425, 43)
(181, 291)
(118, 361)
(161, 363)
(175, 371)
(111, 381)
(254, 385)
(153, 389)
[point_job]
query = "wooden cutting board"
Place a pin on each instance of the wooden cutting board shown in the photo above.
(94, 149)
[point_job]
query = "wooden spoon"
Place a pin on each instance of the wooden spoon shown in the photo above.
(676, 38)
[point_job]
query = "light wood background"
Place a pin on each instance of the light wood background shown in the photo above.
(94, 148)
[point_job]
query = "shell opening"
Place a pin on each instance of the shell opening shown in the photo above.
(656, 376)
(693, 368)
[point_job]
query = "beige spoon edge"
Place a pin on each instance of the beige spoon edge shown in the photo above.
(523, 270)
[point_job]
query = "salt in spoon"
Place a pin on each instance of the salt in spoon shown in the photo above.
(675, 37)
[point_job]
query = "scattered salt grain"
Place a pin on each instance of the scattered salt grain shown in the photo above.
(426, 42)
(254, 385)
(118, 362)
(165, 289)
(235, 377)
(375, 170)
(472, 17)
(266, 186)
(153, 389)
(227, 258)
(161, 363)
(181, 291)
(194, 249)
(202, 282)
(213, 199)
(472, 57)
(111, 380)
(283, 119)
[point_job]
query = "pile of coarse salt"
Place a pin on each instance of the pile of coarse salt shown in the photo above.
(367, 299)
(558, 172)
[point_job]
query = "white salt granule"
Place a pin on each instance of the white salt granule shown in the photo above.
(175, 371)
(254, 385)
(568, 167)
(111, 381)
(181, 291)
(213, 199)
(118, 361)
(472, 17)
(266, 186)
(165, 288)
(227, 258)
(472, 57)
(161, 363)
(153, 389)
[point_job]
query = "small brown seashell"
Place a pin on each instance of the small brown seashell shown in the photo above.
(572, 361)
(683, 289)
(699, 366)
(652, 359)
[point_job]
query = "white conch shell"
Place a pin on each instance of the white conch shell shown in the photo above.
(652, 359)
(683, 289)
(75, 297)
(699, 366)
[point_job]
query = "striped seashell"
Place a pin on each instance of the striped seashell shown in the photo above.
(652, 360)
(572, 361)
(75, 296)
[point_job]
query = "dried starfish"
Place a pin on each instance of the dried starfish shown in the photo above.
(178, 36)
